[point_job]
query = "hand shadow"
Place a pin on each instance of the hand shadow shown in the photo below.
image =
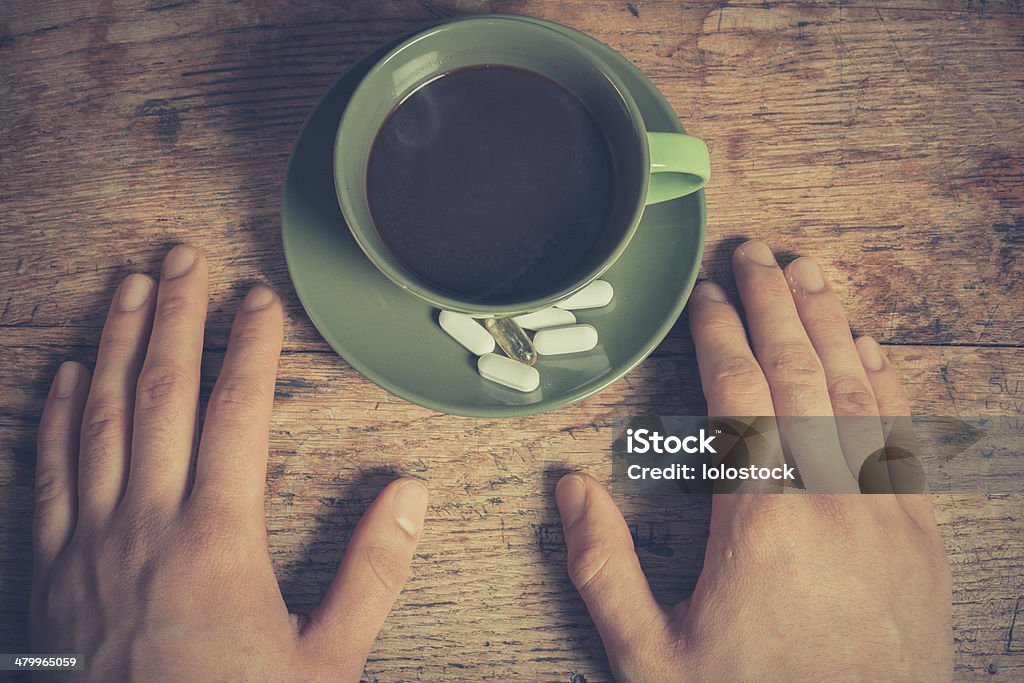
(305, 581)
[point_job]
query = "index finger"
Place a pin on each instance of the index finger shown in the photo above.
(734, 385)
(232, 462)
(730, 376)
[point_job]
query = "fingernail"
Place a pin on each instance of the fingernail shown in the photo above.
(870, 353)
(258, 297)
(709, 290)
(67, 379)
(571, 496)
(135, 291)
(758, 252)
(806, 274)
(179, 261)
(410, 505)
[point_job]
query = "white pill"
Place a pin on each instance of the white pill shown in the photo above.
(510, 373)
(549, 317)
(555, 341)
(467, 332)
(595, 295)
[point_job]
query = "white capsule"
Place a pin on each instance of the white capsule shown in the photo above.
(467, 332)
(508, 372)
(555, 341)
(595, 295)
(549, 317)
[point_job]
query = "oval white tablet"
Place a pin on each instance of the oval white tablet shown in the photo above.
(595, 295)
(508, 372)
(555, 341)
(467, 332)
(548, 317)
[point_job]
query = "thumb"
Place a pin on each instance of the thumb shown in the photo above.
(606, 571)
(371, 575)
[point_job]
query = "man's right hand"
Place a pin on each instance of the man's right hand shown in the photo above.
(794, 587)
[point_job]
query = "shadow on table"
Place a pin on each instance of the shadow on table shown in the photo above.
(16, 543)
(304, 582)
(263, 83)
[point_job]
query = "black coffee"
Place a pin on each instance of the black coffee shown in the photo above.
(493, 183)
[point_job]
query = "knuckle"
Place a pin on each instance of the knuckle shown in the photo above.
(840, 512)
(104, 423)
(104, 429)
(223, 510)
(830, 319)
(176, 309)
(793, 360)
(203, 531)
(163, 383)
(216, 518)
(51, 484)
(771, 516)
(238, 391)
(589, 566)
(739, 376)
(722, 322)
(115, 345)
(215, 544)
(252, 337)
(388, 568)
(851, 396)
(770, 291)
(51, 438)
(139, 534)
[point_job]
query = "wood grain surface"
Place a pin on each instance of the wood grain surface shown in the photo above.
(884, 139)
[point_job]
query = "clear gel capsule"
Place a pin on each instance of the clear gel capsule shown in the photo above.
(467, 332)
(595, 295)
(508, 372)
(549, 317)
(512, 340)
(555, 341)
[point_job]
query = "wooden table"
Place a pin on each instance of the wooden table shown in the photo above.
(885, 140)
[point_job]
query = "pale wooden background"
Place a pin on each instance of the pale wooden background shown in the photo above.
(886, 140)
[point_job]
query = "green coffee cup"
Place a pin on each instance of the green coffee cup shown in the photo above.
(651, 167)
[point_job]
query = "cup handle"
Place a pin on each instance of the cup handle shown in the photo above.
(680, 165)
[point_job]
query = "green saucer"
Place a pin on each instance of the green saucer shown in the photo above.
(393, 338)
